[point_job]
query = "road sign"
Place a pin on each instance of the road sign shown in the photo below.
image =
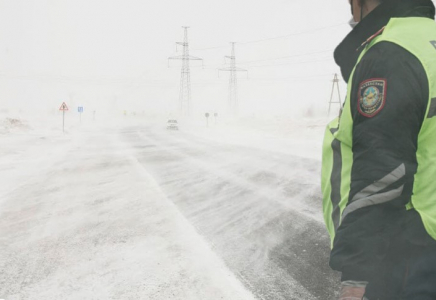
(80, 110)
(63, 107)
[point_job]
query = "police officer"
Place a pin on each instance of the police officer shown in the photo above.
(379, 155)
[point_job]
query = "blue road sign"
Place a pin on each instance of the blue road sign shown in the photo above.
(80, 109)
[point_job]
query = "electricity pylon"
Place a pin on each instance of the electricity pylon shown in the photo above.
(185, 78)
(233, 104)
(335, 82)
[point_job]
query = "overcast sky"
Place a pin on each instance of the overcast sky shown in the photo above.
(113, 54)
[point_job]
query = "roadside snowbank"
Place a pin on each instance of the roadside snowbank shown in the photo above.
(12, 124)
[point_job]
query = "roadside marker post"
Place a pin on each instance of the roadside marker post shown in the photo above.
(207, 119)
(64, 108)
(80, 110)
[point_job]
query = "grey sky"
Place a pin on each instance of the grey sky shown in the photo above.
(113, 53)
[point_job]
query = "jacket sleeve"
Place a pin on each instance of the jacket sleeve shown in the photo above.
(388, 102)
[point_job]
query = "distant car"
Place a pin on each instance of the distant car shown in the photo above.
(172, 124)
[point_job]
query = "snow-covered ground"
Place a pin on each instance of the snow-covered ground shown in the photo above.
(126, 209)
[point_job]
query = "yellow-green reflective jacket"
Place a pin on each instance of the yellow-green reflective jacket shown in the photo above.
(380, 154)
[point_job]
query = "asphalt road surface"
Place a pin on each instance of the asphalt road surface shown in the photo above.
(260, 210)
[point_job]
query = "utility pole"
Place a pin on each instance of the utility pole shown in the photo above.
(185, 78)
(335, 82)
(233, 104)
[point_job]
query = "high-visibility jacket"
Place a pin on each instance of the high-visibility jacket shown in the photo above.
(379, 155)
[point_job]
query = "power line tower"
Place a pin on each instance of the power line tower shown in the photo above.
(335, 82)
(233, 104)
(185, 78)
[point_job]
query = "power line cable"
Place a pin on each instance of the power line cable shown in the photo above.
(292, 63)
(291, 34)
(289, 56)
(212, 66)
(282, 64)
(273, 38)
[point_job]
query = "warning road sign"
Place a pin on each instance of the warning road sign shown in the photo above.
(63, 107)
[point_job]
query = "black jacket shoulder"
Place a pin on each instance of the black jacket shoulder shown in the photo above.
(404, 72)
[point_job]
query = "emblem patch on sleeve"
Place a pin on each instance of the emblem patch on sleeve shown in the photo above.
(372, 96)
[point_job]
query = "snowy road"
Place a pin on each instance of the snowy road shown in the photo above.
(143, 213)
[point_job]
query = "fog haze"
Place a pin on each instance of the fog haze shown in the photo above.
(113, 55)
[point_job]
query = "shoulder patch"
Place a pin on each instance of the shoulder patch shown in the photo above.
(372, 96)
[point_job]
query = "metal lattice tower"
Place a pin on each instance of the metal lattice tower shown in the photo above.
(233, 104)
(185, 78)
(335, 82)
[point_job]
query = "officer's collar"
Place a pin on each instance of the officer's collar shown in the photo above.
(348, 51)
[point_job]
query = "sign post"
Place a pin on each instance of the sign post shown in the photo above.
(215, 116)
(207, 119)
(80, 110)
(64, 108)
